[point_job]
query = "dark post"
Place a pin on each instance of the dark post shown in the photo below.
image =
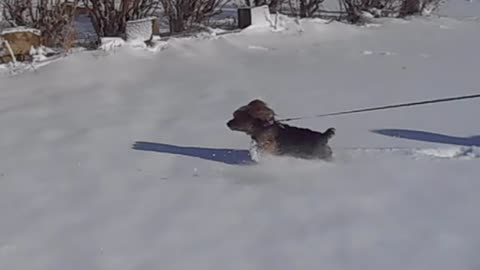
(244, 17)
(155, 26)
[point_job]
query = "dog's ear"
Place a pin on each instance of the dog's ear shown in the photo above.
(259, 110)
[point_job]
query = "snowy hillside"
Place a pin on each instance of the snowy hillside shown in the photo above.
(122, 160)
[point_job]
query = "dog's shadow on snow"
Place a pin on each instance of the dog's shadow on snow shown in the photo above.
(425, 136)
(227, 156)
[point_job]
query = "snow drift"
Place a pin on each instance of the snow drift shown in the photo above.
(78, 192)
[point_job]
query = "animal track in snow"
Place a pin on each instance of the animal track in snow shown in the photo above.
(385, 53)
(259, 48)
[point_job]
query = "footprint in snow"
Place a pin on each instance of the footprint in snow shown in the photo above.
(258, 48)
(378, 53)
(386, 53)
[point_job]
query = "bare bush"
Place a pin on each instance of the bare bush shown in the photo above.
(14, 12)
(413, 7)
(109, 17)
(305, 8)
(183, 14)
(352, 9)
(300, 8)
(54, 18)
(355, 9)
(274, 5)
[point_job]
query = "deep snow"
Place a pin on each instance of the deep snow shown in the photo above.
(74, 194)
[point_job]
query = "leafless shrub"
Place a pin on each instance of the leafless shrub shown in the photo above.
(255, 3)
(356, 9)
(300, 8)
(413, 7)
(305, 8)
(53, 17)
(183, 14)
(352, 9)
(274, 5)
(109, 17)
(14, 12)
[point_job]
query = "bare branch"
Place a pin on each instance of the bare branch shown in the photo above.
(54, 18)
(109, 20)
(183, 14)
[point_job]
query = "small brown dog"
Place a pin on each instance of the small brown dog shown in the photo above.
(270, 136)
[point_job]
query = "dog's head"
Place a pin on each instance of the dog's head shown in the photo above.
(251, 117)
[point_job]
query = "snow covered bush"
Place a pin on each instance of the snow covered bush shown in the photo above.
(109, 17)
(54, 18)
(183, 14)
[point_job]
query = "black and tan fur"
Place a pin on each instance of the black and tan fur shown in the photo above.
(257, 120)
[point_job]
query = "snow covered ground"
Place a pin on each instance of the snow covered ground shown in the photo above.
(75, 194)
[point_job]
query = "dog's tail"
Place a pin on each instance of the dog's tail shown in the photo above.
(329, 132)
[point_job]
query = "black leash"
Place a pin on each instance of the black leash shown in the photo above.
(383, 107)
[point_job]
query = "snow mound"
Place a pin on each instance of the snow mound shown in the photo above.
(111, 43)
(155, 45)
(451, 152)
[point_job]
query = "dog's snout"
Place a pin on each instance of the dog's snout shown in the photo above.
(229, 123)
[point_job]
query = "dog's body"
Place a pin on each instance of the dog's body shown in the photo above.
(270, 136)
(280, 139)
